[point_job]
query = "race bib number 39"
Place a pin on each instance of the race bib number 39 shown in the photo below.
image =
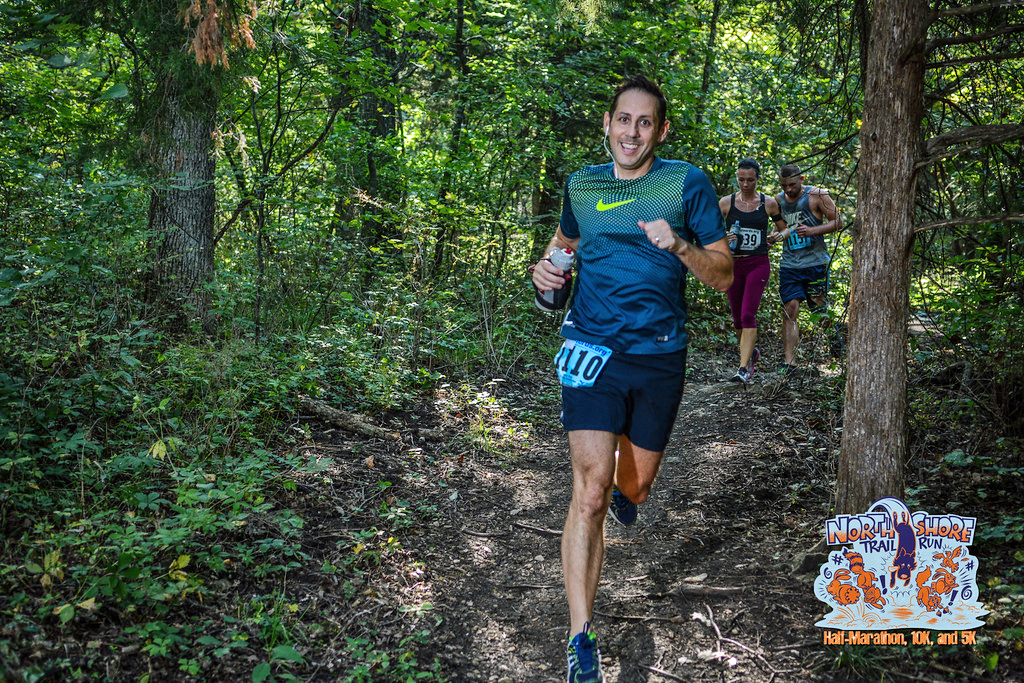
(578, 363)
(749, 239)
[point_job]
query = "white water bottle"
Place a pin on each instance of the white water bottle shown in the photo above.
(555, 299)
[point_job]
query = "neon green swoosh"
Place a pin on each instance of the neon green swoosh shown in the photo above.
(601, 206)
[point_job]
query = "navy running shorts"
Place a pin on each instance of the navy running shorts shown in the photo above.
(803, 283)
(636, 395)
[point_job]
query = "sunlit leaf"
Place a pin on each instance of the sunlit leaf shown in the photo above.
(115, 92)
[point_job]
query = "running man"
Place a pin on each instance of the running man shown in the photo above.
(810, 214)
(637, 225)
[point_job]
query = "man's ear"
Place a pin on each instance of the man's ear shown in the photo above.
(664, 132)
(607, 122)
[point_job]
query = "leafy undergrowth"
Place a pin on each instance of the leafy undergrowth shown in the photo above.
(245, 543)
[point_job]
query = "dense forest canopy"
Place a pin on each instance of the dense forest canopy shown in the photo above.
(213, 209)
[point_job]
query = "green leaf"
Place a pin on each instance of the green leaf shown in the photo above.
(286, 652)
(958, 458)
(67, 613)
(114, 92)
(991, 661)
(60, 61)
(261, 672)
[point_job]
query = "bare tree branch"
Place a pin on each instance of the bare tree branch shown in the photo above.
(970, 220)
(828, 148)
(969, 138)
(971, 60)
(978, 9)
(976, 38)
(244, 204)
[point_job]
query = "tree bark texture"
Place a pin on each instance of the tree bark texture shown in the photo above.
(874, 445)
(182, 202)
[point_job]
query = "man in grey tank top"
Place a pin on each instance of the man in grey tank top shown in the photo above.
(810, 214)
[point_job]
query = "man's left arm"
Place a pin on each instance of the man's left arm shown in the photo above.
(712, 264)
(824, 209)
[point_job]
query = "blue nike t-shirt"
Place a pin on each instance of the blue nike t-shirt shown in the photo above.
(629, 295)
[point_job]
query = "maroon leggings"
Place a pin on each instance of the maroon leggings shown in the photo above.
(750, 276)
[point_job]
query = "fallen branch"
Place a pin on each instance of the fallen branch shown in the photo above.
(538, 529)
(677, 619)
(483, 534)
(698, 589)
(350, 422)
(662, 672)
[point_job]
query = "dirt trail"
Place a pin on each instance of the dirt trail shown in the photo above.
(713, 583)
(696, 590)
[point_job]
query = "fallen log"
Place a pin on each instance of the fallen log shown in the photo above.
(350, 422)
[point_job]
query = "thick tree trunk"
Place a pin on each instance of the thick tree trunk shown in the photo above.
(874, 445)
(182, 202)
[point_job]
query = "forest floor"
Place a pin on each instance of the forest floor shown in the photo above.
(713, 583)
(431, 552)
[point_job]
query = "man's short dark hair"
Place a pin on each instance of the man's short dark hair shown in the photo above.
(750, 163)
(790, 170)
(641, 82)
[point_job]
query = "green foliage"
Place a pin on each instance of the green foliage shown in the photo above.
(381, 190)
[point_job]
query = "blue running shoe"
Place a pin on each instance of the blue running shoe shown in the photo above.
(584, 658)
(622, 508)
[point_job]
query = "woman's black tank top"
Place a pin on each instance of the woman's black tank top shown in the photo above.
(753, 233)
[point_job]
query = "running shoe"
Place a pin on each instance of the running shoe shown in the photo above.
(754, 357)
(584, 658)
(787, 369)
(742, 375)
(622, 508)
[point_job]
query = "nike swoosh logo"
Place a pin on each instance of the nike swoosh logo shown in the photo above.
(601, 206)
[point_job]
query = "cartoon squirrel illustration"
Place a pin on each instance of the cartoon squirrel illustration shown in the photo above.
(865, 579)
(844, 593)
(944, 582)
(847, 594)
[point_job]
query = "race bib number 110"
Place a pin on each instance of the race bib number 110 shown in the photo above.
(578, 363)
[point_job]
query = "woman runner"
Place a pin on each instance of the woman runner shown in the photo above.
(746, 216)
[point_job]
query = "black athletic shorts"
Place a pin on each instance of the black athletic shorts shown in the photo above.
(635, 395)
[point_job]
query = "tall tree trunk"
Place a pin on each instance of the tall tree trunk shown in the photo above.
(874, 445)
(377, 117)
(182, 201)
(447, 235)
(709, 59)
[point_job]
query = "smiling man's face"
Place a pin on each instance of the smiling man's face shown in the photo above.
(634, 133)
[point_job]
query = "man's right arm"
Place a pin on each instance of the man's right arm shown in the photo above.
(545, 275)
(780, 231)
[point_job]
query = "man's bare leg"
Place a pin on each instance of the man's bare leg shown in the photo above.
(636, 469)
(790, 329)
(593, 469)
